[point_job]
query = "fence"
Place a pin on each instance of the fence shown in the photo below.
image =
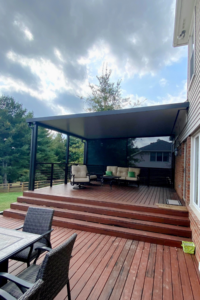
(23, 186)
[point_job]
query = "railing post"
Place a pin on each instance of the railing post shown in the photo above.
(33, 156)
(85, 152)
(66, 172)
(148, 177)
(67, 158)
(51, 179)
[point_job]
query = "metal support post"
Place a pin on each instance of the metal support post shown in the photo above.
(34, 135)
(67, 158)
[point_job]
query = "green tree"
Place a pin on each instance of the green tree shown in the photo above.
(106, 95)
(14, 140)
(59, 147)
(76, 151)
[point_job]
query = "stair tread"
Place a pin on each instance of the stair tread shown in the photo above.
(53, 202)
(139, 233)
(110, 203)
(105, 217)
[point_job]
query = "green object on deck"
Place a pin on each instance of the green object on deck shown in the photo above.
(109, 173)
(188, 247)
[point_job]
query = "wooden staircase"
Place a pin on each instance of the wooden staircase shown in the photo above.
(143, 223)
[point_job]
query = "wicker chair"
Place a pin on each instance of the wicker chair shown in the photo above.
(32, 293)
(53, 271)
(38, 221)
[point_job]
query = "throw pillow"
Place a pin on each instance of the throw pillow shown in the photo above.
(109, 173)
(131, 174)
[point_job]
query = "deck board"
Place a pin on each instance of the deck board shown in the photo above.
(145, 196)
(104, 267)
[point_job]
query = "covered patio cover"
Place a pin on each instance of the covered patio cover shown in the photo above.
(149, 121)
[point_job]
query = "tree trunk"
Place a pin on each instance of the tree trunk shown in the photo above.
(5, 181)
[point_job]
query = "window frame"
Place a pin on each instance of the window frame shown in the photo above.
(193, 172)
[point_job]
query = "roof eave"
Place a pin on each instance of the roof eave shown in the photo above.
(183, 17)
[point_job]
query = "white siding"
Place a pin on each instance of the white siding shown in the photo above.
(194, 88)
(146, 163)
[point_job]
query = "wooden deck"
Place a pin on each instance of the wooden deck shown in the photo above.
(145, 196)
(105, 267)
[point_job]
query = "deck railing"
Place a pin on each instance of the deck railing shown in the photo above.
(54, 172)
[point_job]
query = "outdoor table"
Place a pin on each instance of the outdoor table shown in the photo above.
(11, 242)
(110, 179)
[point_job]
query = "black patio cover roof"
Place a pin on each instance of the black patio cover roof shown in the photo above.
(149, 121)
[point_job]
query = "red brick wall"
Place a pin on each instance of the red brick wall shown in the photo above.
(179, 179)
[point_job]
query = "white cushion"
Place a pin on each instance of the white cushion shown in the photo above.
(122, 172)
(122, 178)
(131, 178)
(136, 170)
(80, 179)
(79, 171)
(113, 169)
(93, 176)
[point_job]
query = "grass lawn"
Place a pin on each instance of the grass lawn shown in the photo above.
(7, 198)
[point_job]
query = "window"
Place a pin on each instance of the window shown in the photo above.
(159, 156)
(152, 156)
(166, 156)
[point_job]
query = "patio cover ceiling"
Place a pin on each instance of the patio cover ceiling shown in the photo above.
(150, 121)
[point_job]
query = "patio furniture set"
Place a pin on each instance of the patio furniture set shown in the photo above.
(80, 176)
(36, 282)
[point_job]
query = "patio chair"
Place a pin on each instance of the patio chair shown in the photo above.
(38, 221)
(79, 176)
(54, 271)
(32, 293)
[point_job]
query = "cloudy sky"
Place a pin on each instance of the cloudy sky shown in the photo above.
(50, 51)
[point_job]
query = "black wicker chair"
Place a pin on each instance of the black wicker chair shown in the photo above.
(38, 221)
(32, 293)
(54, 271)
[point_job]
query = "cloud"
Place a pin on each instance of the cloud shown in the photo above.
(163, 82)
(51, 49)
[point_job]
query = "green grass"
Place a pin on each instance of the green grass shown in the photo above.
(7, 198)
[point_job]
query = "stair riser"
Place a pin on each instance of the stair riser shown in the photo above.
(114, 232)
(121, 223)
(108, 204)
(110, 212)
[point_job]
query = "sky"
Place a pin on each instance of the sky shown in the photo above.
(51, 50)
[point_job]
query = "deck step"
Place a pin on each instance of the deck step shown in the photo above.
(110, 204)
(109, 211)
(112, 220)
(140, 235)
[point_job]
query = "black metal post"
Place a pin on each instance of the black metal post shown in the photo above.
(67, 158)
(34, 134)
(85, 153)
(51, 179)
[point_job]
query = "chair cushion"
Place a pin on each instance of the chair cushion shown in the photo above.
(122, 172)
(93, 176)
(23, 255)
(113, 169)
(79, 171)
(132, 178)
(81, 179)
(122, 178)
(131, 174)
(136, 170)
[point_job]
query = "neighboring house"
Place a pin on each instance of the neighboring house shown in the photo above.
(155, 155)
(187, 162)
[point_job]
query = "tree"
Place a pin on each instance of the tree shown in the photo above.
(14, 140)
(76, 150)
(106, 95)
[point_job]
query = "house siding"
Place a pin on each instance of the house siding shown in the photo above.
(193, 124)
(193, 94)
(144, 161)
